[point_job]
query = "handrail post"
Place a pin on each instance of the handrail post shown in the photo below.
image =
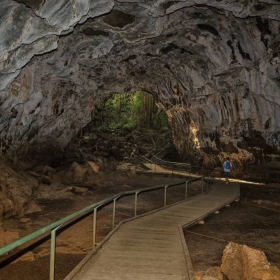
(114, 211)
(52, 253)
(94, 227)
(135, 204)
(93, 209)
(165, 194)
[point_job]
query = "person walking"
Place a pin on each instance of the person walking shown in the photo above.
(227, 168)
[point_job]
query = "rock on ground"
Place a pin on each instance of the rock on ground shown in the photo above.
(213, 273)
(16, 190)
(242, 262)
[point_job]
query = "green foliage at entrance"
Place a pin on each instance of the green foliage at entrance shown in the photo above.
(131, 111)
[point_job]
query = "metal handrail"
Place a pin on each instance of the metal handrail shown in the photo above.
(170, 162)
(160, 161)
(168, 148)
(175, 166)
(52, 228)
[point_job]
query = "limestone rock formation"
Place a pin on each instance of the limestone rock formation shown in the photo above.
(242, 262)
(16, 191)
(213, 273)
(214, 66)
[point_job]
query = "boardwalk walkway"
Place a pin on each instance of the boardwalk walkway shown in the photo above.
(153, 247)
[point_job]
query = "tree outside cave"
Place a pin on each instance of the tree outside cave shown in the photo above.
(130, 112)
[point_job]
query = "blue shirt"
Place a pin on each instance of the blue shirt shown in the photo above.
(227, 169)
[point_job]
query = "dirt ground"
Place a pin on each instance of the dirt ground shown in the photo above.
(254, 221)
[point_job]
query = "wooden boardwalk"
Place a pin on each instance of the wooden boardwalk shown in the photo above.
(153, 247)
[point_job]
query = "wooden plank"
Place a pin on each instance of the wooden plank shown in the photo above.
(150, 247)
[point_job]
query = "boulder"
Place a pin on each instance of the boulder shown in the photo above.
(80, 190)
(48, 192)
(34, 174)
(77, 173)
(24, 220)
(110, 167)
(46, 180)
(45, 169)
(242, 262)
(27, 257)
(213, 273)
(90, 136)
(130, 174)
(33, 207)
(7, 237)
(69, 189)
(16, 190)
(94, 167)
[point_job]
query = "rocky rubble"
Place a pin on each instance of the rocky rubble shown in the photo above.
(92, 160)
(21, 187)
(119, 145)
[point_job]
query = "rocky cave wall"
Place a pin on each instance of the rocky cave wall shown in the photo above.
(212, 65)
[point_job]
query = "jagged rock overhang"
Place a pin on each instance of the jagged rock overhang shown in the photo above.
(214, 68)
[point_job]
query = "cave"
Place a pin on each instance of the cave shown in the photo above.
(125, 127)
(212, 69)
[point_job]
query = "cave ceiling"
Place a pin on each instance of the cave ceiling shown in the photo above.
(213, 66)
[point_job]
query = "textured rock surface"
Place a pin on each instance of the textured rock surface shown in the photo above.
(213, 273)
(242, 262)
(212, 65)
(8, 237)
(16, 191)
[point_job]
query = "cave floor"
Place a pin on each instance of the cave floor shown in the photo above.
(254, 221)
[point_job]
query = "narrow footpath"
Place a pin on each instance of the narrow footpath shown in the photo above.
(152, 247)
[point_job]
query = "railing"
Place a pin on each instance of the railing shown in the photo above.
(165, 150)
(52, 228)
(174, 167)
(169, 164)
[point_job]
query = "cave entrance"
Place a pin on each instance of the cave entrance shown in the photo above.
(131, 112)
(127, 126)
